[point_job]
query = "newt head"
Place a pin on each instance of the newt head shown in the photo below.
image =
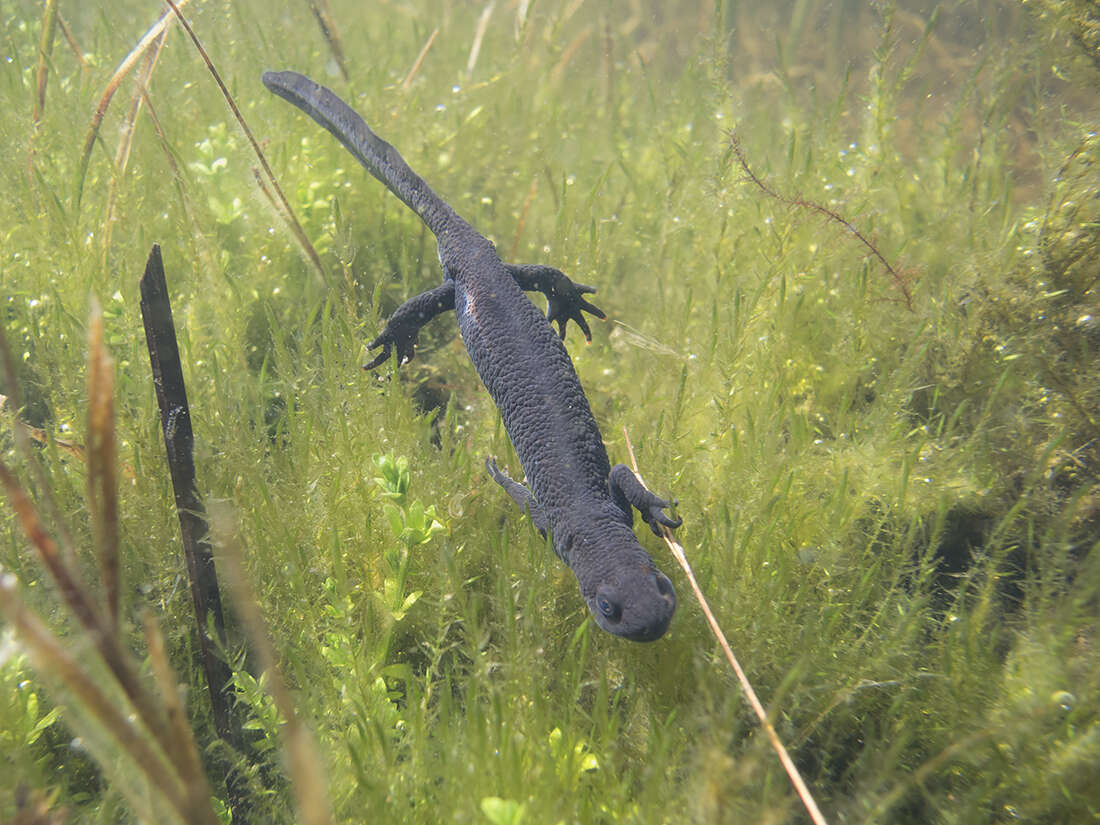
(634, 600)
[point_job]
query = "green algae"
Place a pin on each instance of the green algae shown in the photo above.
(893, 510)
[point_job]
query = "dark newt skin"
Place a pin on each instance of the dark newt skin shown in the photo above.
(584, 503)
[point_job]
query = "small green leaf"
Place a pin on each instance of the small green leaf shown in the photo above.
(502, 811)
(41, 725)
(397, 523)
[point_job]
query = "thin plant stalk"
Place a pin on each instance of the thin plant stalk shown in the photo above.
(287, 209)
(102, 475)
(322, 13)
(523, 211)
(407, 82)
(829, 215)
(154, 733)
(129, 128)
(67, 33)
(186, 759)
(61, 566)
(115, 81)
(23, 436)
(201, 244)
(479, 35)
(79, 602)
(45, 49)
(761, 714)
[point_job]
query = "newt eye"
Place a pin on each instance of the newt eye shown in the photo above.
(609, 609)
(664, 586)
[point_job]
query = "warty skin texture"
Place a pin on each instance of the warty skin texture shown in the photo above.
(584, 503)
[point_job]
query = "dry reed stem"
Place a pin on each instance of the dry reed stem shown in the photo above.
(322, 13)
(761, 714)
(295, 227)
(304, 763)
(71, 588)
(569, 53)
(407, 82)
(109, 92)
(78, 53)
(129, 128)
(166, 752)
(129, 122)
(519, 25)
(48, 655)
(102, 478)
(88, 615)
(479, 35)
(527, 201)
(288, 211)
(186, 757)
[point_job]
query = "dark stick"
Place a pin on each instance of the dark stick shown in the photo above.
(175, 420)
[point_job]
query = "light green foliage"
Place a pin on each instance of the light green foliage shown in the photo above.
(263, 715)
(214, 175)
(503, 811)
(893, 509)
(24, 719)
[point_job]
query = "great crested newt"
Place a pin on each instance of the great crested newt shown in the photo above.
(573, 493)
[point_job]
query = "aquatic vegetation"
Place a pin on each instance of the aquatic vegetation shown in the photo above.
(893, 510)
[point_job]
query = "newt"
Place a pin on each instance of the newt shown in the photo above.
(572, 491)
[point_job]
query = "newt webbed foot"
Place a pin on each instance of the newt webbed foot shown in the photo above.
(629, 492)
(654, 516)
(395, 336)
(565, 299)
(404, 325)
(570, 304)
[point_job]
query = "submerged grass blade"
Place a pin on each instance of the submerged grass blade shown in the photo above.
(186, 753)
(45, 49)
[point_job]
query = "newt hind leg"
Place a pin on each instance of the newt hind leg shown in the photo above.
(520, 494)
(629, 492)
